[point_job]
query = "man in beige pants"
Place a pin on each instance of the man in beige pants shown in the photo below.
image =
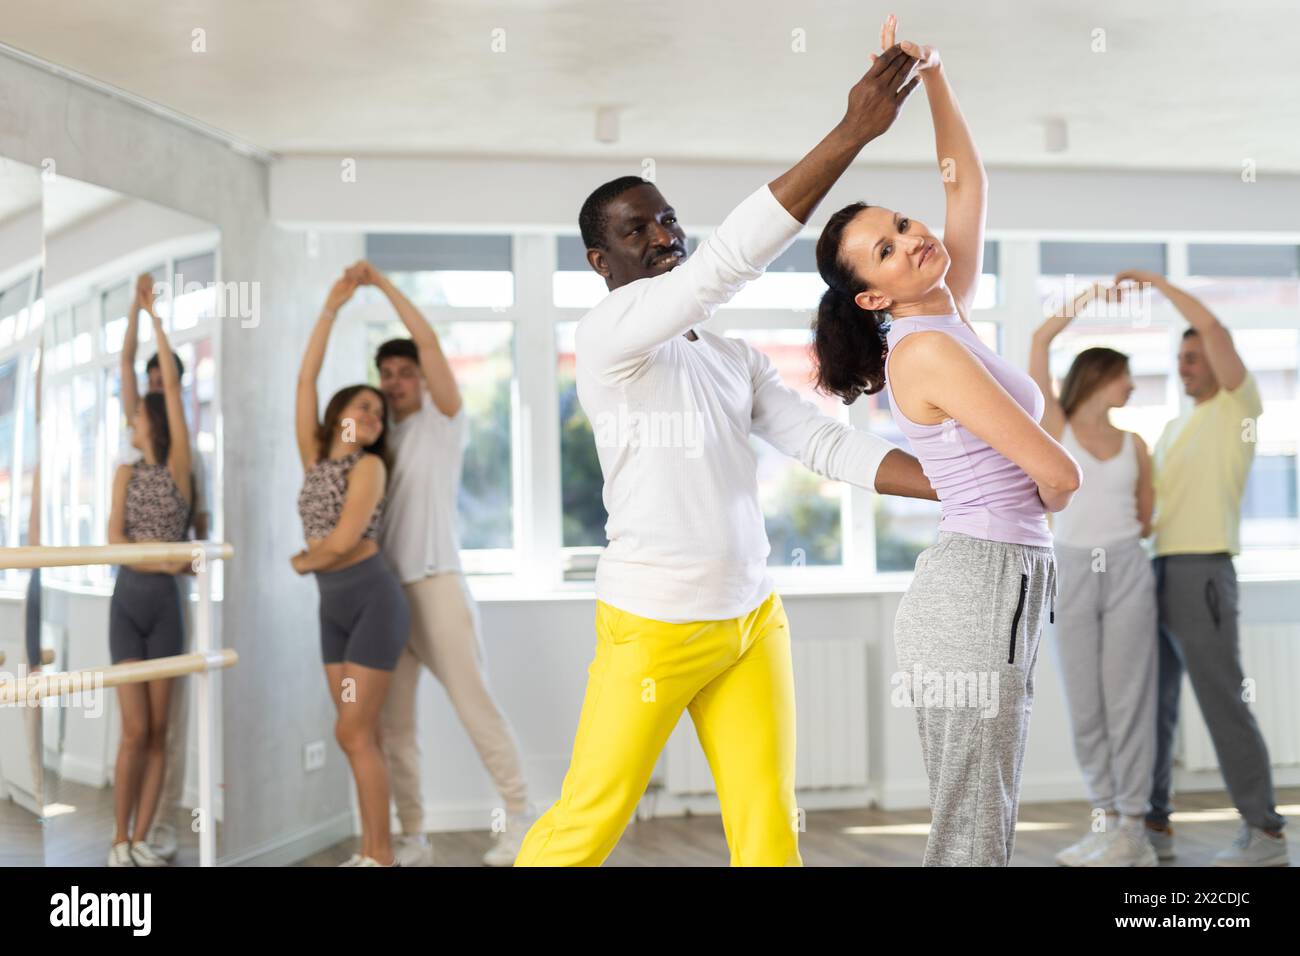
(427, 436)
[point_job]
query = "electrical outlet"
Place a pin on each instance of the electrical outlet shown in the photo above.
(313, 755)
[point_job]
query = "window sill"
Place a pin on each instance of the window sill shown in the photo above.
(506, 589)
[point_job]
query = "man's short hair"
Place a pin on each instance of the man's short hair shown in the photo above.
(152, 364)
(1189, 332)
(593, 220)
(397, 348)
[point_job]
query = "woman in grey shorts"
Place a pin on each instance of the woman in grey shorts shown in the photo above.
(364, 618)
(152, 500)
(1106, 635)
(968, 629)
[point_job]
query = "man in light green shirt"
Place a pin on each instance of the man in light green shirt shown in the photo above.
(1201, 464)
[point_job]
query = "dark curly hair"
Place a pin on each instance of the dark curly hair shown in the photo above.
(848, 340)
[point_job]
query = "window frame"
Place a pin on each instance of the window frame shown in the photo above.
(537, 564)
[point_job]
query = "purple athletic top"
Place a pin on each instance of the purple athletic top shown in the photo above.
(981, 493)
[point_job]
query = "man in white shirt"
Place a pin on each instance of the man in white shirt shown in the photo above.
(686, 617)
(162, 835)
(427, 434)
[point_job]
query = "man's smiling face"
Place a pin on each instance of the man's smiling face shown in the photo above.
(642, 238)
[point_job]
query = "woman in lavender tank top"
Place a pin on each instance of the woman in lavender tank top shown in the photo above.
(968, 629)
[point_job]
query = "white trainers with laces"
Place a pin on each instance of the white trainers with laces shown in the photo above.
(1130, 847)
(144, 856)
(1076, 853)
(413, 849)
(162, 840)
(120, 854)
(1254, 847)
(507, 844)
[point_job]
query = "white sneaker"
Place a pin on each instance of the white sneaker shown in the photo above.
(371, 861)
(1254, 847)
(413, 850)
(1076, 853)
(508, 842)
(162, 840)
(120, 854)
(144, 856)
(353, 860)
(1162, 841)
(1130, 847)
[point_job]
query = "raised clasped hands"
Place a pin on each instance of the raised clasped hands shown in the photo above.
(926, 57)
(144, 291)
(340, 292)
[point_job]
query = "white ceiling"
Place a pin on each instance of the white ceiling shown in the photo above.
(1180, 86)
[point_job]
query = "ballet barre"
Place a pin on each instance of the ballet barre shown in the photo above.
(58, 683)
(201, 663)
(47, 657)
(41, 556)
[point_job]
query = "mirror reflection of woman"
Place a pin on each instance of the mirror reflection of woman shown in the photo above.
(364, 618)
(152, 501)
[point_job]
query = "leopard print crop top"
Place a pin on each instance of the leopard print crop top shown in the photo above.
(155, 508)
(320, 503)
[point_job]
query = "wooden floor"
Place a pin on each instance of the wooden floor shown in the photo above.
(1205, 824)
(21, 838)
(80, 827)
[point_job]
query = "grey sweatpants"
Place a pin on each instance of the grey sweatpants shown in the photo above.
(1106, 651)
(967, 635)
(1197, 599)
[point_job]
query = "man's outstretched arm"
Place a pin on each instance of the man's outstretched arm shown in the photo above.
(795, 426)
(617, 335)
(900, 474)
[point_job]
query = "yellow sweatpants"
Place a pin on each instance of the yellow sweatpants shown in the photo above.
(735, 678)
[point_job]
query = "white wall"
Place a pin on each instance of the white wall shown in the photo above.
(537, 658)
(492, 194)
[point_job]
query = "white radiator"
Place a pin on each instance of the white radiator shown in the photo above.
(830, 686)
(1270, 656)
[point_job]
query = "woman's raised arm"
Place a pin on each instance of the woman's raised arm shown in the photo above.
(305, 404)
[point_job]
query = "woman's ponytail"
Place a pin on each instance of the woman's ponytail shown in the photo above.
(848, 341)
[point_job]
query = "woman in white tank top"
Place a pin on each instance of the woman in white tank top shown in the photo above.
(1106, 610)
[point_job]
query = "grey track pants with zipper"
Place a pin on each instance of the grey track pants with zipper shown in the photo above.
(967, 636)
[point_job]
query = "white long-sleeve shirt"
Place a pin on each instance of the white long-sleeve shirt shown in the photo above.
(672, 419)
